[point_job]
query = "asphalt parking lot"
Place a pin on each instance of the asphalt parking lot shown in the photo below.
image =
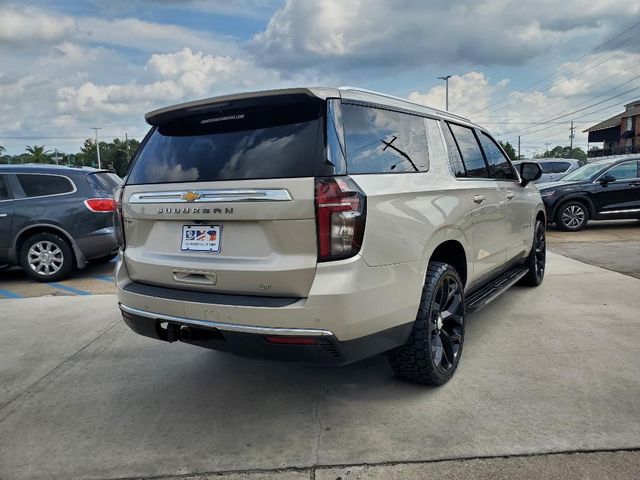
(614, 245)
(546, 370)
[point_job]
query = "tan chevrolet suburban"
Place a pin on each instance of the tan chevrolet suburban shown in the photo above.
(323, 225)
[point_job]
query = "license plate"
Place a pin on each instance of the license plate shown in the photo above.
(201, 238)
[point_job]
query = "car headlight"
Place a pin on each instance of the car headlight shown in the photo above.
(547, 193)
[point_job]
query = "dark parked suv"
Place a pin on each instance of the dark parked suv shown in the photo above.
(603, 190)
(55, 218)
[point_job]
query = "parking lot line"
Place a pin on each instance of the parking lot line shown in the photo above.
(105, 278)
(67, 288)
(9, 294)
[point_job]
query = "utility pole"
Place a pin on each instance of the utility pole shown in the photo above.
(571, 135)
(56, 156)
(546, 154)
(126, 146)
(446, 80)
(97, 146)
(518, 147)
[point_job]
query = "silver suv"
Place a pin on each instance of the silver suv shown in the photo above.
(323, 225)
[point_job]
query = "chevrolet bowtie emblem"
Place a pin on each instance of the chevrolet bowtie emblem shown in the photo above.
(191, 196)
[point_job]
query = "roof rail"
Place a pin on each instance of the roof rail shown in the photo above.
(373, 92)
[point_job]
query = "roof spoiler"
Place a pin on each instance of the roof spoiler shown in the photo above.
(268, 97)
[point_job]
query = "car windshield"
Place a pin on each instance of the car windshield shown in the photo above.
(585, 173)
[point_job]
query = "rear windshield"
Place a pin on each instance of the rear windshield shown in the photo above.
(267, 142)
(107, 182)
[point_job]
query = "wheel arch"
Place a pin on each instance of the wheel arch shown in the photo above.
(33, 229)
(574, 197)
(449, 245)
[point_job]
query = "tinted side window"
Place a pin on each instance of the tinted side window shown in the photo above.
(107, 182)
(499, 166)
(37, 185)
(624, 170)
(382, 141)
(455, 161)
(554, 167)
(470, 151)
(4, 190)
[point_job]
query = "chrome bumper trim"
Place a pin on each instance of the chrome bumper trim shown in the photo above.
(214, 196)
(303, 332)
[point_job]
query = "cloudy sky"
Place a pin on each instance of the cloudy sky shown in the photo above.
(525, 68)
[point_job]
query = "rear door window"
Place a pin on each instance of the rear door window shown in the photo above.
(384, 141)
(472, 158)
(40, 185)
(4, 189)
(554, 167)
(499, 166)
(266, 142)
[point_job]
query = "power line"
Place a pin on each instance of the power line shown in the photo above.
(551, 126)
(488, 108)
(534, 124)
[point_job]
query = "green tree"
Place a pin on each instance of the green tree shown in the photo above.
(510, 150)
(38, 154)
(563, 152)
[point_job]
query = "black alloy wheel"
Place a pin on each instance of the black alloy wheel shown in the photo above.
(432, 352)
(445, 327)
(537, 259)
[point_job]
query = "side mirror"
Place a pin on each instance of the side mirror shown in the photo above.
(608, 178)
(529, 172)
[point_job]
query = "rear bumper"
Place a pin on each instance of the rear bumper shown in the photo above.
(100, 243)
(362, 311)
(321, 346)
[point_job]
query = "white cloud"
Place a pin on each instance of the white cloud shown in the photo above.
(177, 76)
(29, 25)
(389, 34)
(468, 93)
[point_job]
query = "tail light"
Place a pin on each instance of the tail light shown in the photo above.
(117, 217)
(340, 217)
(101, 205)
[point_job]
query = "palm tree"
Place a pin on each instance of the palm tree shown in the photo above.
(38, 154)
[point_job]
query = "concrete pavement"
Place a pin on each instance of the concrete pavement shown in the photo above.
(550, 369)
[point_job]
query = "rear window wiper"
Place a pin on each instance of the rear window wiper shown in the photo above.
(393, 147)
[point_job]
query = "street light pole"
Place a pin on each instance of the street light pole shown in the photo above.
(97, 146)
(446, 81)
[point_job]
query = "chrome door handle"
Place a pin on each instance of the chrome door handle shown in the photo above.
(3, 215)
(509, 195)
(478, 198)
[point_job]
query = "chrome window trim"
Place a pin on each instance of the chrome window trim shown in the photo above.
(214, 196)
(230, 327)
(75, 188)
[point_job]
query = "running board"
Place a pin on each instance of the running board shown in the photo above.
(480, 298)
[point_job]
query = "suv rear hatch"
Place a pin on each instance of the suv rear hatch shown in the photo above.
(220, 198)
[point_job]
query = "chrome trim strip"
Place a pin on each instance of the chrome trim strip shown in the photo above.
(306, 332)
(215, 196)
(628, 210)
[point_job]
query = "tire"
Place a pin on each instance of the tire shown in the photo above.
(425, 358)
(105, 259)
(572, 216)
(537, 259)
(53, 267)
